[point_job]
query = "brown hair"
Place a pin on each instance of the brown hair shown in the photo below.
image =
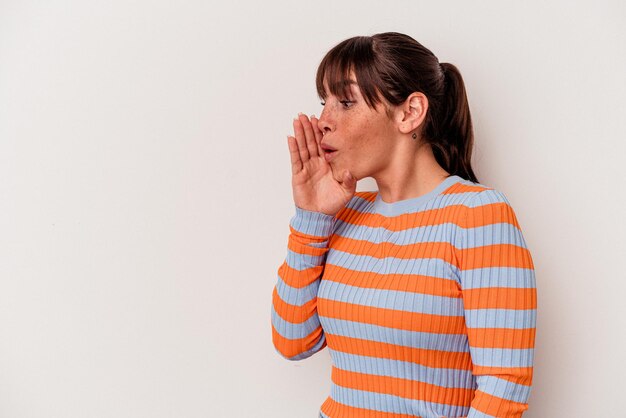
(395, 65)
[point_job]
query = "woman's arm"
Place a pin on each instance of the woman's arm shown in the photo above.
(296, 330)
(497, 279)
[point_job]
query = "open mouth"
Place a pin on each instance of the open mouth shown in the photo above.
(329, 154)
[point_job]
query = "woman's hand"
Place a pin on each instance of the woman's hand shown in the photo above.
(314, 187)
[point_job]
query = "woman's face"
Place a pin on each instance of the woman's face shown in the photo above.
(361, 135)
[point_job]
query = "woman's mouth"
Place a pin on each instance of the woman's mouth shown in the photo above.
(329, 155)
(329, 152)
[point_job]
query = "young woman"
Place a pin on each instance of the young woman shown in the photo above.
(424, 291)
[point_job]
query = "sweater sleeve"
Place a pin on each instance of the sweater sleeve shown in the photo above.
(497, 280)
(296, 330)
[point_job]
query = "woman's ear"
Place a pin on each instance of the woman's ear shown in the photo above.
(412, 112)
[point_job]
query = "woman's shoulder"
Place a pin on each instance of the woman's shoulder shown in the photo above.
(488, 205)
(477, 194)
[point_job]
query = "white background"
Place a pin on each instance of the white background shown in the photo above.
(145, 193)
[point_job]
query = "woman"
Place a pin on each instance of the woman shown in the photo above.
(423, 291)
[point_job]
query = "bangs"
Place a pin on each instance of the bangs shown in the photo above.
(352, 55)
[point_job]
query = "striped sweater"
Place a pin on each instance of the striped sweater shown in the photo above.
(427, 305)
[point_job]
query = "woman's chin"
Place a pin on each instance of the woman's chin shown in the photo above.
(337, 172)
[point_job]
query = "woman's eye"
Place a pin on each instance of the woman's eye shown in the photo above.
(345, 103)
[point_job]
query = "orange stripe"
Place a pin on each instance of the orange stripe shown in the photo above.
(291, 348)
(299, 278)
(435, 216)
(292, 313)
(409, 389)
(391, 318)
(415, 283)
(497, 407)
(332, 408)
(299, 245)
(428, 358)
(367, 195)
(496, 255)
(441, 250)
(502, 338)
(465, 188)
(500, 298)
(519, 375)
(491, 213)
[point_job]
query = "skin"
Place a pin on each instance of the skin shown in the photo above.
(369, 144)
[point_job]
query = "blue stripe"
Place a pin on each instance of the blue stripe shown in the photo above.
(492, 234)
(293, 331)
(447, 378)
(501, 318)
(295, 296)
(312, 223)
(363, 205)
(301, 262)
(497, 233)
(503, 388)
(379, 234)
(486, 197)
(456, 343)
(434, 267)
(477, 414)
(392, 299)
(502, 357)
(391, 403)
(512, 277)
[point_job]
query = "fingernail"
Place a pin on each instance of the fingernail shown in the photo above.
(312, 116)
(299, 113)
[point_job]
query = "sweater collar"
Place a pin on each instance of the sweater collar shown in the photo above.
(413, 204)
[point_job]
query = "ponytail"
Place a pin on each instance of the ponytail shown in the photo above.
(454, 137)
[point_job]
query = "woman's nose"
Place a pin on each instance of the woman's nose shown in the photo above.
(324, 123)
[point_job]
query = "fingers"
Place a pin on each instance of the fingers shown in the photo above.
(306, 143)
(318, 134)
(311, 143)
(301, 139)
(306, 138)
(296, 163)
